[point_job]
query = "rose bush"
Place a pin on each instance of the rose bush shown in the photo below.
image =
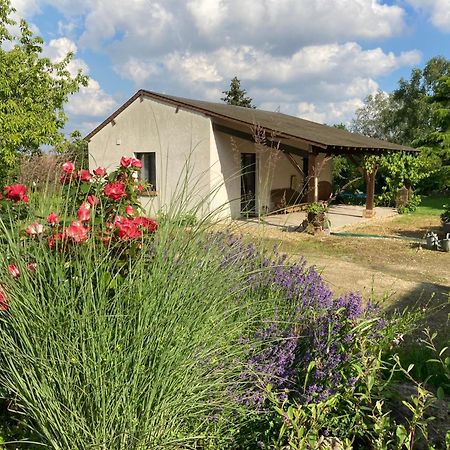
(102, 207)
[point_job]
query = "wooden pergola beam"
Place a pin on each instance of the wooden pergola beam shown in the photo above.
(370, 186)
(295, 164)
(370, 193)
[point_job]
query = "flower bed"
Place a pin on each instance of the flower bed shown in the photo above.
(120, 333)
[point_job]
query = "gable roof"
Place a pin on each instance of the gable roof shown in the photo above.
(282, 125)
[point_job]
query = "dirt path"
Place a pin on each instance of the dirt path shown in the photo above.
(396, 272)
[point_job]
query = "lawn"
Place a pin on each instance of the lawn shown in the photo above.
(415, 224)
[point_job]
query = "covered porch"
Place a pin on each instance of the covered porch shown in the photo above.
(302, 172)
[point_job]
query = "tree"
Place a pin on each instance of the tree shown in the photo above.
(417, 113)
(33, 92)
(376, 118)
(406, 114)
(75, 149)
(436, 143)
(237, 96)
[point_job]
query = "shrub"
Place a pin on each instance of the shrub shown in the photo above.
(115, 336)
(411, 206)
(445, 216)
(40, 170)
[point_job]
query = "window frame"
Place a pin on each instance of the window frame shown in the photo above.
(151, 191)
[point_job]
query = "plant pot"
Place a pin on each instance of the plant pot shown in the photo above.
(446, 227)
(317, 220)
(445, 245)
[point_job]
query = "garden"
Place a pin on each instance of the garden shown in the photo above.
(122, 332)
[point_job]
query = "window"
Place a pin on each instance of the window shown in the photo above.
(148, 171)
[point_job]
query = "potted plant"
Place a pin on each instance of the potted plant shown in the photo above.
(445, 217)
(316, 215)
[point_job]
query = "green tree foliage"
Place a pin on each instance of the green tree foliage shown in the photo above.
(343, 171)
(236, 95)
(376, 118)
(417, 113)
(436, 143)
(75, 149)
(398, 170)
(413, 113)
(33, 91)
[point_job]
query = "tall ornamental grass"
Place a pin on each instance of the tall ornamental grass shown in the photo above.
(115, 337)
(98, 359)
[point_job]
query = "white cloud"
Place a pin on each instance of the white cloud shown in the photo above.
(301, 55)
(159, 25)
(319, 111)
(139, 24)
(26, 8)
(289, 22)
(197, 67)
(438, 10)
(57, 49)
(309, 63)
(322, 82)
(137, 70)
(91, 100)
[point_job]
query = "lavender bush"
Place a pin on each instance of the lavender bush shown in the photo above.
(313, 349)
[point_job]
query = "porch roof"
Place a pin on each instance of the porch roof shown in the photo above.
(282, 126)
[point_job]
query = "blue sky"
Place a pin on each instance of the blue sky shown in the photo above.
(315, 59)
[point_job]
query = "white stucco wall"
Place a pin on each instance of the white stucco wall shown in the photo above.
(180, 139)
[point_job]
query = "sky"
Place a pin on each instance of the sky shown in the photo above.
(315, 59)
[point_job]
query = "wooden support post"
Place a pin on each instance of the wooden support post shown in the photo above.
(295, 164)
(370, 199)
(313, 179)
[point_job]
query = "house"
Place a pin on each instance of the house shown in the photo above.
(235, 160)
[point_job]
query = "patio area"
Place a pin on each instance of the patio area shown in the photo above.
(340, 216)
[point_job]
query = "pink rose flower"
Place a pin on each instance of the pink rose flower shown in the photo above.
(100, 171)
(56, 237)
(34, 229)
(52, 219)
(14, 271)
(84, 213)
(68, 167)
(150, 225)
(129, 210)
(4, 306)
(93, 200)
(16, 192)
(125, 161)
(127, 229)
(115, 191)
(136, 163)
(77, 231)
(84, 175)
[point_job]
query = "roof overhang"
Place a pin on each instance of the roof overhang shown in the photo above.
(244, 128)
